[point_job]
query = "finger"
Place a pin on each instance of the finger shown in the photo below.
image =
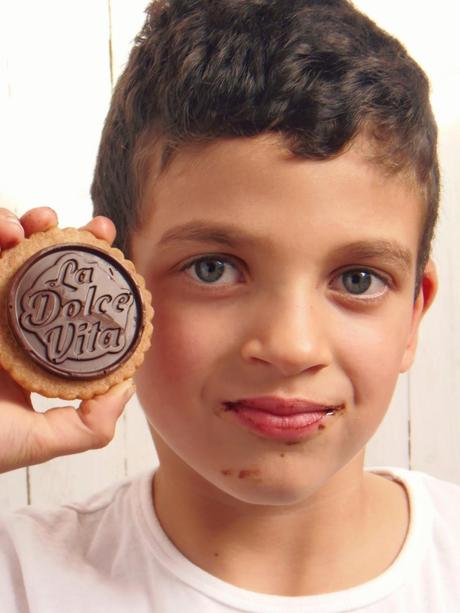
(13, 392)
(102, 227)
(65, 430)
(11, 230)
(39, 219)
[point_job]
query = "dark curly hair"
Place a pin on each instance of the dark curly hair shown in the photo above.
(317, 72)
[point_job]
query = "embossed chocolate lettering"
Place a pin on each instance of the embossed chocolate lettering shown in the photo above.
(69, 273)
(121, 302)
(98, 306)
(40, 310)
(75, 310)
(58, 342)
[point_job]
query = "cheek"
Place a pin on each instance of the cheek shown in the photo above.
(186, 344)
(372, 351)
(173, 373)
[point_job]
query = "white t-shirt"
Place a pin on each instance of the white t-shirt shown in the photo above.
(110, 555)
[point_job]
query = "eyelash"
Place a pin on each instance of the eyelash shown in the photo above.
(348, 296)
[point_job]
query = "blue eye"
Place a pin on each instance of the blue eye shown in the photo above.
(357, 283)
(211, 269)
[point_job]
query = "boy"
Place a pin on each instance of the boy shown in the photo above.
(271, 169)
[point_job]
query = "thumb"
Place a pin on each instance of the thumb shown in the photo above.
(90, 427)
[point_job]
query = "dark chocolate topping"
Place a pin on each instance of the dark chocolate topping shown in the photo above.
(76, 311)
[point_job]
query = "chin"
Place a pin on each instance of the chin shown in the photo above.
(267, 490)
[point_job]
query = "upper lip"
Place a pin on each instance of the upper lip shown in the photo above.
(282, 406)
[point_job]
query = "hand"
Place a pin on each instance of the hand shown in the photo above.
(27, 437)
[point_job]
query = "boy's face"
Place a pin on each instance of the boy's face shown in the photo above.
(304, 290)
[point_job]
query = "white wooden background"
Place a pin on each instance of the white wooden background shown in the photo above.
(58, 61)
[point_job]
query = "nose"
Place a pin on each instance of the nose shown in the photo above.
(288, 332)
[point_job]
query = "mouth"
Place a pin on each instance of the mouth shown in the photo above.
(288, 419)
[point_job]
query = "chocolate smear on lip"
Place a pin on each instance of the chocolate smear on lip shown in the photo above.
(76, 311)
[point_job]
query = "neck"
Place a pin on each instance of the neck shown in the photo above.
(325, 542)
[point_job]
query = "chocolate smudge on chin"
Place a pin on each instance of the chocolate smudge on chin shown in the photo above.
(248, 472)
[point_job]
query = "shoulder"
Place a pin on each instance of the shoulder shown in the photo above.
(73, 552)
(430, 557)
(434, 508)
(434, 503)
(444, 495)
(71, 524)
(421, 485)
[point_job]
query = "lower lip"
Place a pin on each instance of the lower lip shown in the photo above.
(280, 427)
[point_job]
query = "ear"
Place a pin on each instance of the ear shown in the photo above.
(426, 295)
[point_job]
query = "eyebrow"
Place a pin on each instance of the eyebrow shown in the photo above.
(387, 250)
(198, 231)
(230, 236)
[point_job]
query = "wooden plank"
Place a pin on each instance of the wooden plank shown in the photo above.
(58, 91)
(389, 446)
(140, 451)
(126, 19)
(13, 485)
(435, 383)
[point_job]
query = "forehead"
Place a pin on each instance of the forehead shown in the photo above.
(257, 185)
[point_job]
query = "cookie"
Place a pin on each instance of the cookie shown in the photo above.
(75, 316)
